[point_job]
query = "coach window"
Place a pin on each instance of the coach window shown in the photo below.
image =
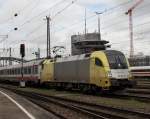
(12, 71)
(32, 69)
(98, 62)
(25, 70)
(19, 71)
(15, 71)
(7, 72)
(36, 70)
(29, 70)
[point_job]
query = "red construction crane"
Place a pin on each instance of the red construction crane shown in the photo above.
(129, 12)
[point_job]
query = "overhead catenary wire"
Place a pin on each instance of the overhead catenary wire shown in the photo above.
(18, 12)
(64, 9)
(59, 12)
(35, 17)
(138, 25)
(79, 22)
(107, 27)
(28, 21)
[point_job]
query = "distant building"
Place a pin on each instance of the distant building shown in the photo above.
(140, 60)
(82, 43)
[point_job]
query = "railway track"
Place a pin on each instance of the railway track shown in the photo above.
(142, 87)
(89, 109)
(135, 96)
(43, 101)
(139, 91)
(143, 84)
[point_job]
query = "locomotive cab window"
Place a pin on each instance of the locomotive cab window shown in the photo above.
(98, 62)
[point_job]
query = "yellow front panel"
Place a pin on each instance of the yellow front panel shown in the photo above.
(47, 73)
(98, 74)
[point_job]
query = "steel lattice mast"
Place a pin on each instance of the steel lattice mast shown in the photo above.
(129, 12)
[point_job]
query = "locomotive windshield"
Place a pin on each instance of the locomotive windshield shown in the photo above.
(116, 59)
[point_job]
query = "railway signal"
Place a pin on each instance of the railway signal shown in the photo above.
(22, 53)
(22, 50)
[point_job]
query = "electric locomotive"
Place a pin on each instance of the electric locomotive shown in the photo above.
(99, 70)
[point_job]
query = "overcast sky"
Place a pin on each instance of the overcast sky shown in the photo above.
(67, 18)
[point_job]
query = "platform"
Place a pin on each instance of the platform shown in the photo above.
(13, 106)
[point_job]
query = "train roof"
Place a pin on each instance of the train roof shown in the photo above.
(85, 56)
(31, 63)
(140, 67)
(72, 58)
(112, 51)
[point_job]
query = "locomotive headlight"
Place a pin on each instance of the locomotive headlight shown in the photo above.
(109, 74)
(129, 74)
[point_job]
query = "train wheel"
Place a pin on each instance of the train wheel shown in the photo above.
(84, 88)
(93, 89)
